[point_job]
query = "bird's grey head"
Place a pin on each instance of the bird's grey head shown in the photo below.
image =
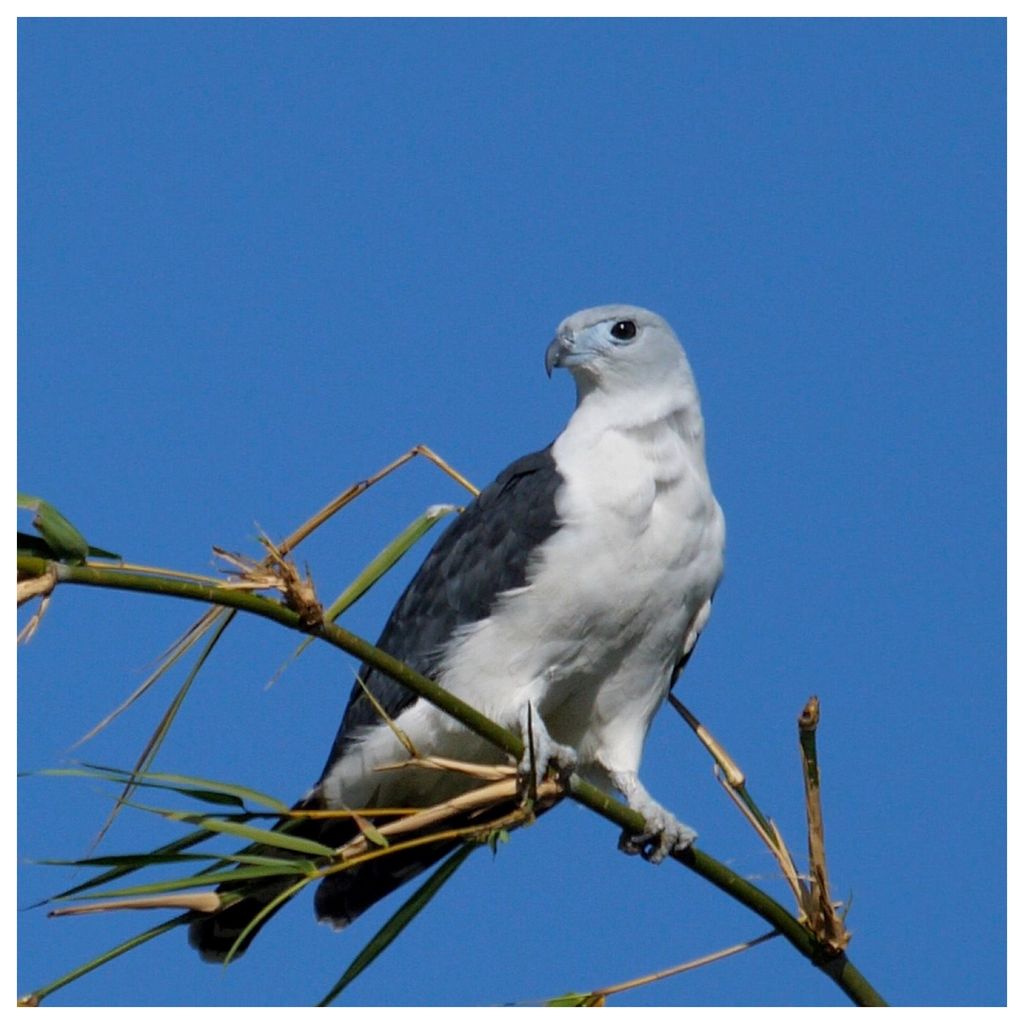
(616, 347)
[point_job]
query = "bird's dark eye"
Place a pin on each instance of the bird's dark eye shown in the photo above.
(624, 330)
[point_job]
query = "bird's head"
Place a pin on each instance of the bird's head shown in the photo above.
(616, 348)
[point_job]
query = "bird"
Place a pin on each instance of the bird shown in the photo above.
(563, 603)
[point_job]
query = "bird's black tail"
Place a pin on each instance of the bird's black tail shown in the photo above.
(341, 897)
(214, 935)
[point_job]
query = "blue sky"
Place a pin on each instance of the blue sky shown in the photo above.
(260, 259)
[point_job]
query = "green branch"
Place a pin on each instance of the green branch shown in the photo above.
(837, 967)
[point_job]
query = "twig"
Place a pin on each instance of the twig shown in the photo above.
(30, 587)
(824, 920)
(733, 781)
(351, 493)
(732, 776)
(399, 733)
(770, 836)
(601, 994)
(478, 799)
(490, 772)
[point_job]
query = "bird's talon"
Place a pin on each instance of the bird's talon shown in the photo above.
(542, 753)
(633, 843)
(655, 845)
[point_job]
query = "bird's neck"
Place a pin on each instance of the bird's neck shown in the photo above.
(672, 403)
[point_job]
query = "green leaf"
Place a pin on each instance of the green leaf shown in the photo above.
(370, 832)
(498, 835)
(219, 623)
(396, 924)
(65, 541)
(151, 933)
(374, 835)
(30, 544)
(268, 837)
(208, 790)
(95, 552)
(378, 567)
(261, 917)
(137, 861)
(387, 558)
(280, 867)
(131, 861)
(572, 999)
(192, 839)
(209, 787)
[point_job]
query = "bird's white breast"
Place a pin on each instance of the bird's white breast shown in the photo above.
(602, 621)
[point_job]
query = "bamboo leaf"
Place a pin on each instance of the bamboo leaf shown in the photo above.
(30, 544)
(192, 839)
(387, 558)
(573, 999)
(260, 917)
(282, 867)
(35, 998)
(268, 837)
(209, 790)
(397, 923)
(177, 650)
(137, 861)
(369, 831)
(240, 794)
(382, 563)
(64, 540)
(153, 744)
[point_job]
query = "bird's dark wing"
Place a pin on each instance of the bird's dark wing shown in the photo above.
(483, 553)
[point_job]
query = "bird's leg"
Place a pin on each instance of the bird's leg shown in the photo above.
(663, 832)
(541, 751)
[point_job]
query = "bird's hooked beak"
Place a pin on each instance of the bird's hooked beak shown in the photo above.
(560, 347)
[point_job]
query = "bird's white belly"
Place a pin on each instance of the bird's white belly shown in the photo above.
(593, 639)
(594, 636)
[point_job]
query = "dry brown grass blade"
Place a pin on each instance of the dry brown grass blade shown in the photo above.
(245, 572)
(36, 586)
(733, 781)
(298, 590)
(203, 902)
(352, 492)
(772, 838)
(274, 572)
(489, 772)
(400, 733)
(478, 800)
(733, 774)
(600, 995)
(345, 812)
(176, 650)
(29, 629)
